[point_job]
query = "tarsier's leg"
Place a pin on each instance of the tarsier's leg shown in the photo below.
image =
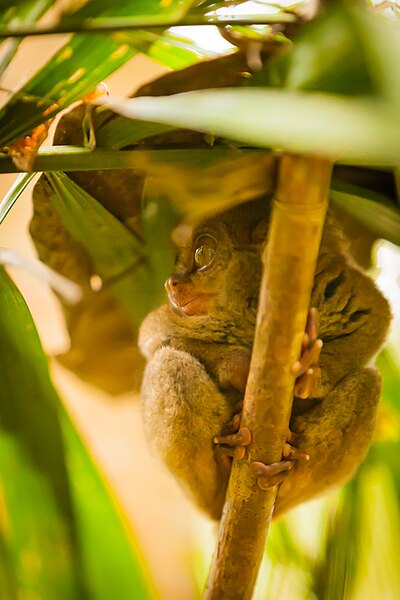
(182, 411)
(307, 372)
(336, 434)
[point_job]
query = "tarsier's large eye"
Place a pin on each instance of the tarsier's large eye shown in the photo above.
(204, 251)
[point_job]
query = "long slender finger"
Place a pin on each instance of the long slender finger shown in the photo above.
(259, 469)
(309, 358)
(312, 324)
(293, 453)
(231, 451)
(241, 438)
(268, 476)
(306, 383)
(232, 426)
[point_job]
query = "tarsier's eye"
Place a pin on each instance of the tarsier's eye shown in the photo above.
(204, 252)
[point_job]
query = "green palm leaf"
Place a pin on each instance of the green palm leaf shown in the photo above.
(61, 534)
(82, 63)
(27, 12)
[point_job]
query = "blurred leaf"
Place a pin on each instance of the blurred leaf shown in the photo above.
(103, 347)
(26, 12)
(379, 546)
(335, 569)
(221, 72)
(203, 183)
(38, 548)
(70, 74)
(118, 256)
(284, 548)
(380, 43)
(113, 564)
(76, 69)
(112, 247)
(326, 56)
(73, 72)
(122, 132)
(41, 545)
(158, 219)
(14, 193)
(116, 132)
(306, 122)
(107, 9)
(361, 541)
(370, 208)
(389, 366)
(183, 50)
(171, 50)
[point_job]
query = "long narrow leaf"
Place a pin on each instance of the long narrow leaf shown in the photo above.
(379, 216)
(322, 124)
(112, 561)
(26, 12)
(119, 257)
(60, 526)
(38, 535)
(108, 9)
(122, 132)
(70, 74)
(76, 69)
(14, 193)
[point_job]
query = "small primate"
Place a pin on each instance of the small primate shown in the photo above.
(198, 347)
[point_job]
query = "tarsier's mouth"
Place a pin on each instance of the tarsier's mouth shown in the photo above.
(196, 305)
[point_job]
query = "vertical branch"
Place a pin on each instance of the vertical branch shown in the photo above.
(289, 263)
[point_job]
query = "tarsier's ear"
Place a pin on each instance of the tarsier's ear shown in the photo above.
(259, 232)
(182, 235)
(250, 233)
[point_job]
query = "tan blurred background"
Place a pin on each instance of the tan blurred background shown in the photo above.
(169, 530)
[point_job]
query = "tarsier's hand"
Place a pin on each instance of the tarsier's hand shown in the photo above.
(234, 439)
(306, 368)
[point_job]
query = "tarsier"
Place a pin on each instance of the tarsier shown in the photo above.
(199, 345)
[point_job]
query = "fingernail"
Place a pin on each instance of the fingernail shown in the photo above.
(296, 367)
(240, 452)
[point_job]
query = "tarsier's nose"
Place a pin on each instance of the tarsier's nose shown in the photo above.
(172, 282)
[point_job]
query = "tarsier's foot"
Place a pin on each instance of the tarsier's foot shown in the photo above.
(306, 368)
(268, 476)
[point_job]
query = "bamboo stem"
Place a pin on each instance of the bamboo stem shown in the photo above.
(289, 263)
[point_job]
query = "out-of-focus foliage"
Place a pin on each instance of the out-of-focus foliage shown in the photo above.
(11, 15)
(61, 536)
(86, 59)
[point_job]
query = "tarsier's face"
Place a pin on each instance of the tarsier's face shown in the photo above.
(213, 268)
(193, 289)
